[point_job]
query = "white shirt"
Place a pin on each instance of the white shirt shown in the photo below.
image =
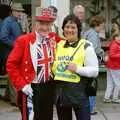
(90, 68)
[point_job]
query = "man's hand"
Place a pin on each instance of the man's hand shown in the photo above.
(27, 90)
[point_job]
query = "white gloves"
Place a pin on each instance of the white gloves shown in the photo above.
(27, 90)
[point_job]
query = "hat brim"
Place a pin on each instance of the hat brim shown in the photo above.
(42, 18)
(18, 9)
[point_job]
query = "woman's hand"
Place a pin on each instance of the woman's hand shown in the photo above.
(72, 67)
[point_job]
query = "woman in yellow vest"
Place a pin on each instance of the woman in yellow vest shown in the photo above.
(75, 58)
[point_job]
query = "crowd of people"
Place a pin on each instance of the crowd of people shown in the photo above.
(47, 67)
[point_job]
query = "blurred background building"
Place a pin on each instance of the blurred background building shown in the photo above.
(108, 8)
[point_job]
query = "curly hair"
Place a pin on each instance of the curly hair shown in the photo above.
(115, 31)
(96, 21)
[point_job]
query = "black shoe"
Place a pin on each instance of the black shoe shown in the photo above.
(94, 113)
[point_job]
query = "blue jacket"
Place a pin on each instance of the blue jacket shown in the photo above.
(9, 30)
(93, 36)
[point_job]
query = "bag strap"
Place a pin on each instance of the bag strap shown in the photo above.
(76, 51)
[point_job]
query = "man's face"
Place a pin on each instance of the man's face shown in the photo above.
(43, 27)
(80, 13)
(17, 14)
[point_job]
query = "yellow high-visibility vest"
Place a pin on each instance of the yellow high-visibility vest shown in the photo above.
(63, 58)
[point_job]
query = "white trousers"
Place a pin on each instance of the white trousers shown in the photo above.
(113, 84)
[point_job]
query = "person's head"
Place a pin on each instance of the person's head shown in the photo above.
(115, 32)
(44, 19)
(71, 28)
(79, 11)
(115, 29)
(17, 9)
(97, 22)
(55, 11)
(116, 36)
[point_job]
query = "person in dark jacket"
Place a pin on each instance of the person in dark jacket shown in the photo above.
(10, 29)
(3, 15)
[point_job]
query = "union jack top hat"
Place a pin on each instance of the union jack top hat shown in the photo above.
(45, 14)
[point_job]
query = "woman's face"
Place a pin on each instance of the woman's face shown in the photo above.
(43, 27)
(70, 31)
(100, 27)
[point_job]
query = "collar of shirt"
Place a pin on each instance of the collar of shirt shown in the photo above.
(93, 29)
(74, 44)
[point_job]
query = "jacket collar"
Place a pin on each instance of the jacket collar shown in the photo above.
(67, 44)
(32, 37)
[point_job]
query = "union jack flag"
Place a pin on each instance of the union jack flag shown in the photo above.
(43, 63)
(47, 12)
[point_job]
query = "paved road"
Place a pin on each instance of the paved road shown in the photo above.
(105, 111)
(8, 112)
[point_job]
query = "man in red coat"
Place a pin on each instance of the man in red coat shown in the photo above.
(28, 67)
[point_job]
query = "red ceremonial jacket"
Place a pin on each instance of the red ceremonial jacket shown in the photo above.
(20, 67)
(19, 64)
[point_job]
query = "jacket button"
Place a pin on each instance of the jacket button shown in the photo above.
(26, 69)
(26, 77)
(26, 62)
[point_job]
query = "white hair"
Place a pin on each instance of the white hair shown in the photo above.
(76, 7)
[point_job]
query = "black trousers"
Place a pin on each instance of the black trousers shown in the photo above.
(43, 101)
(65, 113)
(3, 66)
